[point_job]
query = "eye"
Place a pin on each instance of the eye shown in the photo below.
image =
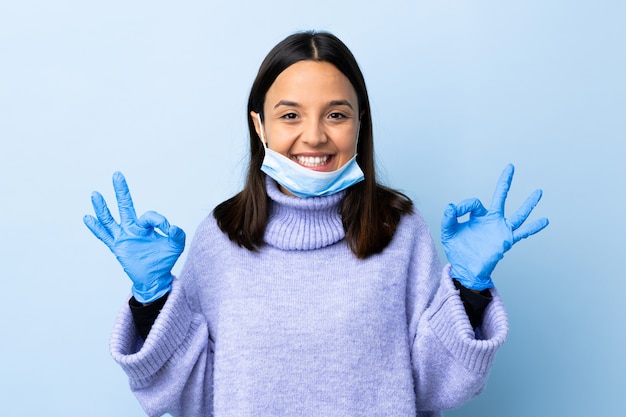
(337, 115)
(289, 116)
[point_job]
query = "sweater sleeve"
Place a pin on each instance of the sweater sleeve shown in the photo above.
(450, 359)
(457, 357)
(171, 371)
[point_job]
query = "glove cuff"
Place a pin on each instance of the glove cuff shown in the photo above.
(159, 289)
(468, 280)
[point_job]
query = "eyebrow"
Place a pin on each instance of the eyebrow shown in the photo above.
(288, 103)
(340, 103)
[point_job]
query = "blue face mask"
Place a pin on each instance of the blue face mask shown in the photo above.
(304, 182)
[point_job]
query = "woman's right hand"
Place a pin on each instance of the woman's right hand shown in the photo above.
(147, 248)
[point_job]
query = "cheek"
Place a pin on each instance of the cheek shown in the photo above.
(346, 140)
(280, 140)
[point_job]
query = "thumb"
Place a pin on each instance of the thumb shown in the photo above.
(176, 237)
(449, 222)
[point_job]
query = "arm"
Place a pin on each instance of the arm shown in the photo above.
(450, 362)
(171, 371)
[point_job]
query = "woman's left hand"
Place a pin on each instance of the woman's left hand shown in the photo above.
(474, 247)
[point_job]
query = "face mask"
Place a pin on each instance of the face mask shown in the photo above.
(304, 182)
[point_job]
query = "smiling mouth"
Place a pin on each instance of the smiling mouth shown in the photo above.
(312, 161)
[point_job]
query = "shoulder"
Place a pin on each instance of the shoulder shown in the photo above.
(207, 228)
(207, 236)
(414, 235)
(413, 223)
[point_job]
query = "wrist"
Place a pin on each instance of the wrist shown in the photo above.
(471, 281)
(146, 294)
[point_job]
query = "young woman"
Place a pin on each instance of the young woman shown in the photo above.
(315, 290)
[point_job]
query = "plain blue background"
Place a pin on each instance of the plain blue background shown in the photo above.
(158, 90)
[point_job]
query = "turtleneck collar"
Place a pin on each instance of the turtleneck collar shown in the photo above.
(303, 223)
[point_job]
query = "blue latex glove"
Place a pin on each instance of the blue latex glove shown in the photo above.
(147, 248)
(474, 247)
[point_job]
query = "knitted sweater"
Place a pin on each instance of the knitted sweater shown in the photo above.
(304, 328)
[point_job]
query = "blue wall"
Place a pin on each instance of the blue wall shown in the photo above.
(158, 90)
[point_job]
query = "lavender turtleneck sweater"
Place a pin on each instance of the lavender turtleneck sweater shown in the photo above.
(304, 328)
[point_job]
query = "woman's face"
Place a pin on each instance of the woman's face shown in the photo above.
(311, 115)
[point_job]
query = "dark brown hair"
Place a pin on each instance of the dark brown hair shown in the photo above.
(370, 211)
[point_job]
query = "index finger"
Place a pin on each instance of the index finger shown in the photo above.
(502, 189)
(124, 200)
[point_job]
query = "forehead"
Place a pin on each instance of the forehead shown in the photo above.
(307, 81)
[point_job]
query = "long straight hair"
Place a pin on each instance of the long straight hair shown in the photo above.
(370, 211)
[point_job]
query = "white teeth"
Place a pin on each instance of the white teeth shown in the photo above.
(312, 161)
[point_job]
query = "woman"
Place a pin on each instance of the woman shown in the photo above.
(315, 290)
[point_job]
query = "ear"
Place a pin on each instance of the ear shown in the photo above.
(257, 126)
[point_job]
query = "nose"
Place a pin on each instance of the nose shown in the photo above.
(314, 133)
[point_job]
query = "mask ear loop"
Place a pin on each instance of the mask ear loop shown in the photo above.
(358, 132)
(258, 116)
